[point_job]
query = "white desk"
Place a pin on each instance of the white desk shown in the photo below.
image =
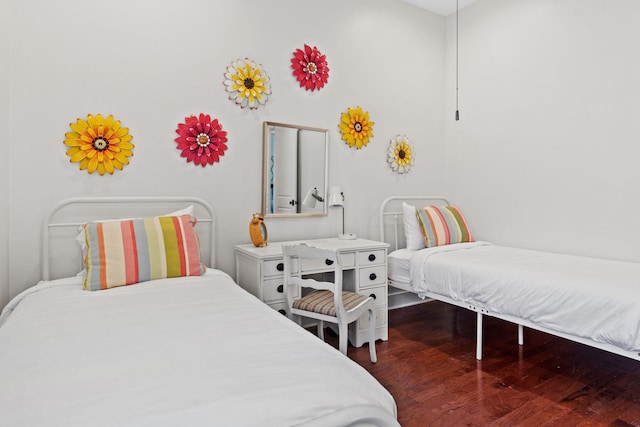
(364, 266)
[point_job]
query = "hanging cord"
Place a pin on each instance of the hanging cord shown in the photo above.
(457, 60)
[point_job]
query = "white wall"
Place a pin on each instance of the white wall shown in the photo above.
(544, 155)
(151, 63)
(4, 142)
(546, 152)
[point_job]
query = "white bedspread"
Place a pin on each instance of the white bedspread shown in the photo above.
(584, 297)
(188, 351)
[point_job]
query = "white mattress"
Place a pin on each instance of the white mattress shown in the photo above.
(585, 297)
(399, 265)
(187, 351)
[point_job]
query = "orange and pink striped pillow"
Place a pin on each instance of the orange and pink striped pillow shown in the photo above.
(137, 250)
(443, 225)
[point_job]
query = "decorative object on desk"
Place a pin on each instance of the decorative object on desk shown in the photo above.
(312, 198)
(257, 230)
(310, 68)
(400, 154)
(356, 128)
(99, 144)
(247, 83)
(201, 140)
(336, 198)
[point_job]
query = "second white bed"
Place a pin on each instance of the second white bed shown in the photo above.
(586, 298)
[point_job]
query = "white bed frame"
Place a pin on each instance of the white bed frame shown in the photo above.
(64, 220)
(392, 232)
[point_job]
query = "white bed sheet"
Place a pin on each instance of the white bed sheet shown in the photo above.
(187, 351)
(585, 297)
(399, 265)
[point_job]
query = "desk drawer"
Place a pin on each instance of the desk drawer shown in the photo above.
(275, 267)
(272, 290)
(348, 260)
(311, 265)
(372, 257)
(379, 293)
(372, 276)
(280, 307)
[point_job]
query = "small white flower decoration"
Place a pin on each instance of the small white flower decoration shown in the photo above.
(400, 154)
(247, 83)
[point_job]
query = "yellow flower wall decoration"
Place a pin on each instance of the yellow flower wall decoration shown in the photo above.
(247, 83)
(400, 154)
(356, 128)
(99, 144)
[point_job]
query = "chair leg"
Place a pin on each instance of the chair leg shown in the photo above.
(343, 332)
(321, 329)
(372, 336)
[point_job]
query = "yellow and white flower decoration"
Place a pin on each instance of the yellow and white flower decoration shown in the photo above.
(356, 128)
(99, 144)
(247, 83)
(400, 154)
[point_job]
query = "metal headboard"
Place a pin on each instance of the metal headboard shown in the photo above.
(391, 219)
(62, 223)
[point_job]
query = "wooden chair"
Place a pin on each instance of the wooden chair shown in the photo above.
(327, 302)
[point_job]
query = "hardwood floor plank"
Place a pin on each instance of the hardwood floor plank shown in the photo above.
(429, 367)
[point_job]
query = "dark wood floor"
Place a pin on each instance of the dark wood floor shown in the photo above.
(429, 366)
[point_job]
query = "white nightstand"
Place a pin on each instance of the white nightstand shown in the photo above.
(364, 266)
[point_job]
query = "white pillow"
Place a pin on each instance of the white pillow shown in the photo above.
(412, 233)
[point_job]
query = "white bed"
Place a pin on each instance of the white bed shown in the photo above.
(591, 301)
(177, 351)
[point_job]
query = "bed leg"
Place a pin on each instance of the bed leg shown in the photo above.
(479, 336)
(520, 335)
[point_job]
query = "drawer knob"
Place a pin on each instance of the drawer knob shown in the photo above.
(372, 257)
(280, 266)
(373, 276)
(372, 296)
(280, 288)
(328, 261)
(281, 311)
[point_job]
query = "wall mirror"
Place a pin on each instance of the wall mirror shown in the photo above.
(294, 170)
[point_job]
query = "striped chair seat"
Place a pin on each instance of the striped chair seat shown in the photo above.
(322, 302)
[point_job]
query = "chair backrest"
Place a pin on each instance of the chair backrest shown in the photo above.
(307, 255)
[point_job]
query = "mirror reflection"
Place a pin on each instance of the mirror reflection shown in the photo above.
(294, 170)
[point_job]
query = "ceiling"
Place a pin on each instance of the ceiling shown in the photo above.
(441, 7)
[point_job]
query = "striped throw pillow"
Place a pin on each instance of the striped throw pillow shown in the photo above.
(137, 250)
(443, 225)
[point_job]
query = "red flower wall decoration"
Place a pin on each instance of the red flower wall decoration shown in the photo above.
(201, 140)
(310, 68)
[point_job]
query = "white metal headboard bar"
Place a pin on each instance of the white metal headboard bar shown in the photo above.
(388, 210)
(124, 200)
